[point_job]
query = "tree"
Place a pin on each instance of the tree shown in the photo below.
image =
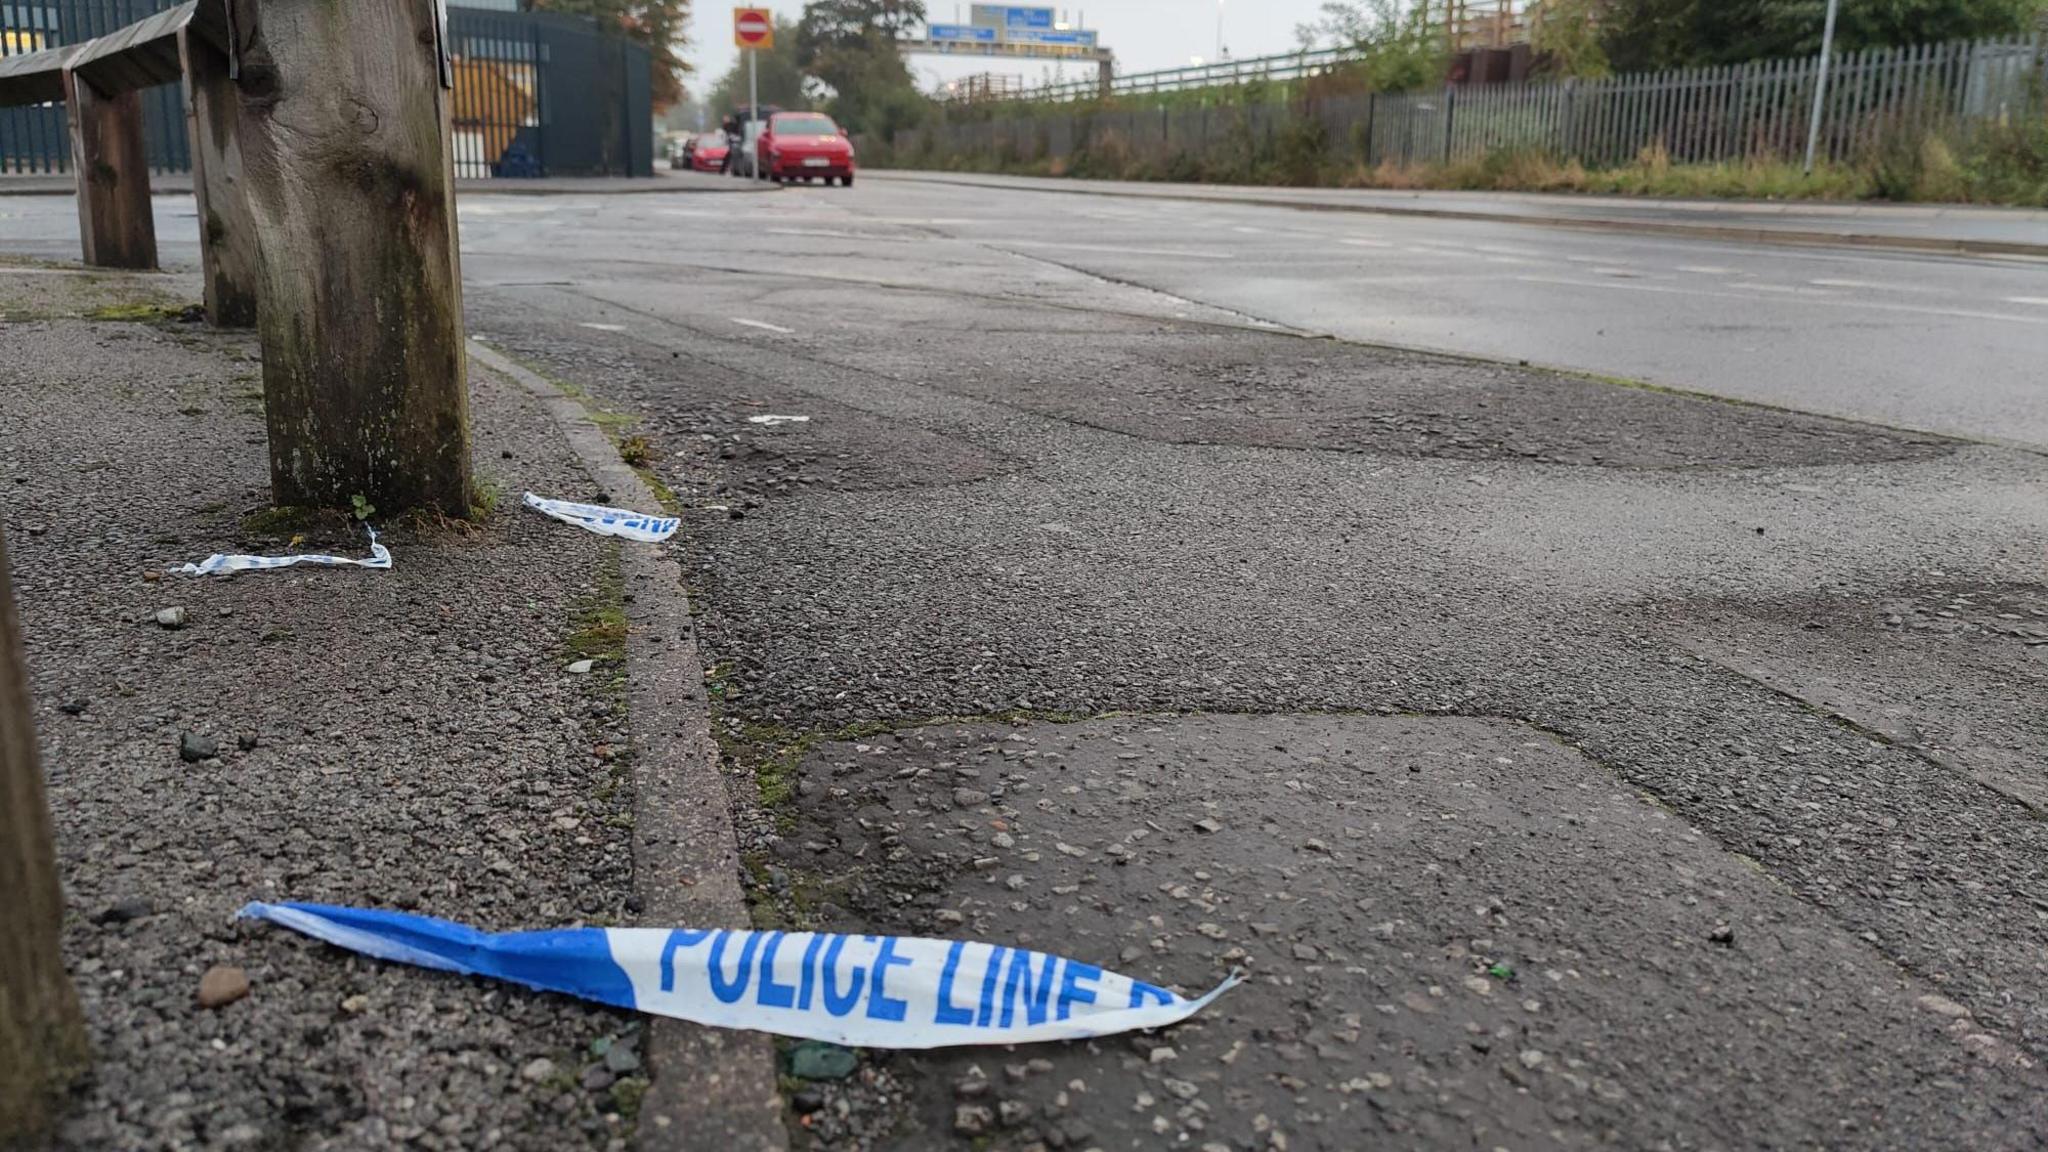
(658, 24)
(1567, 37)
(850, 46)
(781, 77)
(1647, 35)
(1399, 49)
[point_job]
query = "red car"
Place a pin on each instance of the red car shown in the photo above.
(803, 146)
(707, 153)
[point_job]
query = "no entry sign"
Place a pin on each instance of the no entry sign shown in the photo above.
(753, 28)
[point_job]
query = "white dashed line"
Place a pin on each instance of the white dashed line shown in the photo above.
(1874, 286)
(2037, 301)
(764, 326)
(604, 327)
(1806, 296)
(1706, 270)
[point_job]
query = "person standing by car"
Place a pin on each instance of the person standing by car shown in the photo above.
(731, 127)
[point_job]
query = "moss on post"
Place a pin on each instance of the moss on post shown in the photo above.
(345, 133)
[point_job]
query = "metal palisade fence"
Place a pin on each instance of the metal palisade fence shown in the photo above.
(535, 93)
(1755, 111)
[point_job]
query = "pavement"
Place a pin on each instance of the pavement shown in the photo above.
(1957, 228)
(1570, 761)
(344, 736)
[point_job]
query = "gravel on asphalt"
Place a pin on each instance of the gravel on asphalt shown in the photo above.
(981, 520)
(406, 739)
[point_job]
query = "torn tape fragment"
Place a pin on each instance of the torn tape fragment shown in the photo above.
(607, 521)
(860, 991)
(218, 563)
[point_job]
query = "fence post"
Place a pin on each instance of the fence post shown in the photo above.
(345, 149)
(1820, 84)
(1372, 111)
(112, 173)
(42, 1035)
(227, 237)
(1450, 114)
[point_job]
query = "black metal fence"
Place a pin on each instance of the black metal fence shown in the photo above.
(539, 93)
(536, 93)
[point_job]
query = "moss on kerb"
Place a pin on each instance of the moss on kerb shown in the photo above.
(598, 627)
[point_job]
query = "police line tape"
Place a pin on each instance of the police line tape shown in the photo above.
(860, 991)
(220, 564)
(607, 521)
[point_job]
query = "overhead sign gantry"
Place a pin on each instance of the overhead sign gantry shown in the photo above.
(1014, 32)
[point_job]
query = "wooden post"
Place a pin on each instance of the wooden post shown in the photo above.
(227, 237)
(344, 130)
(114, 222)
(42, 1035)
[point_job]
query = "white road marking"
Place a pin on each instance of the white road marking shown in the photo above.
(1365, 243)
(764, 325)
(1806, 296)
(603, 327)
(837, 234)
(1874, 286)
(2037, 301)
(1706, 269)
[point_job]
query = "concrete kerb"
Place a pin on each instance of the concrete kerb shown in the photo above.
(1785, 237)
(710, 1088)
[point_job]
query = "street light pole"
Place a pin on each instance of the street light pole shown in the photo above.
(1820, 85)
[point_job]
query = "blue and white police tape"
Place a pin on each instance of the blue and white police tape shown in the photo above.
(860, 991)
(607, 521)
(380, 557)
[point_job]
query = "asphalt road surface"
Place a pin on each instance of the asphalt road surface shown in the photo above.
(1569, 764)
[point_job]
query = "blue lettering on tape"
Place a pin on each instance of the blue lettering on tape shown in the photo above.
(770, 994)
(880, 1006)
(1071, 991)
(836, 1003)
(680, 938)
(946, 1013)
(987, 1010)
(1018, 984)
(809, 979)
(731, 990)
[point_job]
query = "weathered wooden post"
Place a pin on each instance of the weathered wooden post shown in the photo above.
(112, 171)
(42, 1035)
(344, 132)
(227, 237)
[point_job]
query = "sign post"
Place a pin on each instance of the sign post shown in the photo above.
(753, 29)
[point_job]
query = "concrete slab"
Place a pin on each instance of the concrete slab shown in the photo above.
(1460, 933)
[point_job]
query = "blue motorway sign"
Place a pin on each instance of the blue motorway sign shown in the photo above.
(1075, 37)
(957, 33)
(1012, 17)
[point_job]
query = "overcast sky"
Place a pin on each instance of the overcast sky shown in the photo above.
(1144, 34)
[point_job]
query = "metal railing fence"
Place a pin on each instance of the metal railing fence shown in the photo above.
(1746, 112)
